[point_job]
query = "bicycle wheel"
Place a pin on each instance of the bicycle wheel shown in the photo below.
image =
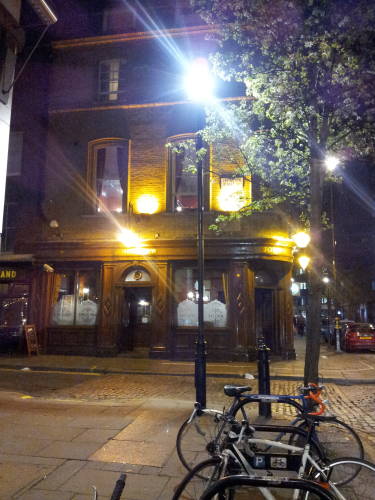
(336, 439)
(243, 487)
(362, 472)
(199, 438)
(199, 479)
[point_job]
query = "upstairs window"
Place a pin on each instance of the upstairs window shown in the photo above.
(15, 154)
(111, 79)
(183, 175)
(108, 174)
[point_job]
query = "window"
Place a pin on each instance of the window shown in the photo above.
(76, 300)
(11, 216)
(8, 55)
(215, 297)
(108, 174)
(14, 304)
(182, 160)
(111, 79)
(15, 154)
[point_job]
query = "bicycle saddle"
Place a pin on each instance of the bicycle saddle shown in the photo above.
(235, 390)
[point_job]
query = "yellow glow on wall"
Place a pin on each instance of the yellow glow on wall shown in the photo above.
(129, 239)
(140, 251)
(282, 240)
(147, 204)
(232, 194)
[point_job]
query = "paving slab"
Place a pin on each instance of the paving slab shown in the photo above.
(24, 446)
(61, 474)
(135, 452)
(69, 450)
(95, 435)
(14, 477)
(37, 494)
(137, 486)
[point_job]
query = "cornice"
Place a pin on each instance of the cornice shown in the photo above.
(138, 106)
(129, 37)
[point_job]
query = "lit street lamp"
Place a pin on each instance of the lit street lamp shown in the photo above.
(199, 87)
(332, 163)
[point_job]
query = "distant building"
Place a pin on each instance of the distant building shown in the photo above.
(104, 158)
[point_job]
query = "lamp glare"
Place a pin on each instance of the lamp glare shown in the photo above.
(199, 84)
(303, 261)
(331, 162)
(301, 239)
(129, 239)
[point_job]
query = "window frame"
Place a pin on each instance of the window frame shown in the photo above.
(220, 266)
(171, 184)
(76, 271)
(118, 93)
(91, 178)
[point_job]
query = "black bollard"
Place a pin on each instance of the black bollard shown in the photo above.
(264, 386)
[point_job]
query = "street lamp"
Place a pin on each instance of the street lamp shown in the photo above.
(301, 239)
(199, 88)
(303, 261)
(332, 163)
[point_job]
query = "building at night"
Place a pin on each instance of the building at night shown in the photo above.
(101, 156)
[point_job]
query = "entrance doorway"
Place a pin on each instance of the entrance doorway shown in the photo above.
(264, 322)
(136, 318)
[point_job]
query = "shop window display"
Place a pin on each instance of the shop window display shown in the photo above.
(215, 297)
(76, 301)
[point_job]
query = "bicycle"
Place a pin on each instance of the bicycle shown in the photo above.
(342, 478)
(200, 435)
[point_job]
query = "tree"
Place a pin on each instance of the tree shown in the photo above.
(308, 67)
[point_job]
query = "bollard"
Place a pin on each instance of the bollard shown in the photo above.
(337, 335)
(263, 377)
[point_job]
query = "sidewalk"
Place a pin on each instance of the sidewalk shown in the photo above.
(57, 449)
(340, 368)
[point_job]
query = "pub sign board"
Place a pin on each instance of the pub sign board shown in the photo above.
(7, 274)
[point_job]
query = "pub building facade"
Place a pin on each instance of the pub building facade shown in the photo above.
(114, 245)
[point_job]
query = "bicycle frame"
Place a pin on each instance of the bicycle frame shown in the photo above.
(238, 456)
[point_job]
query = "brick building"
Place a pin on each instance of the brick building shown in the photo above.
(106, 162)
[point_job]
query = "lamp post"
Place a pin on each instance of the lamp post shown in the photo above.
(199, 86)
(332, 163)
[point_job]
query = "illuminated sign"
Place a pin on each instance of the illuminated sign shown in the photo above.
(7, 274)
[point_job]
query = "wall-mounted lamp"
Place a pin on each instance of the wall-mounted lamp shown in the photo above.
(129, 239)
(301, 239)
(54, 224)
(147, 204)
(303, 261)
(47, 268)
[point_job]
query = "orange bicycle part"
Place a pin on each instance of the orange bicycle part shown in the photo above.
(317, 399)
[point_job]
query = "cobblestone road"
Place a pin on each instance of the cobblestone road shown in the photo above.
(354, 404)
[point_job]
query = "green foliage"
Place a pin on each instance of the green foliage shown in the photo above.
(186, 149)
(308, 67)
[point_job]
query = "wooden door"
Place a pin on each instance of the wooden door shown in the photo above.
(136, 318)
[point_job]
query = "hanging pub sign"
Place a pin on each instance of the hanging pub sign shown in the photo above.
(7, 274)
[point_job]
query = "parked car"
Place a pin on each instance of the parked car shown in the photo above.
(357, 336)
(344, 323)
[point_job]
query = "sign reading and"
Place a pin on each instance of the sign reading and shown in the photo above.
(7, 274)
